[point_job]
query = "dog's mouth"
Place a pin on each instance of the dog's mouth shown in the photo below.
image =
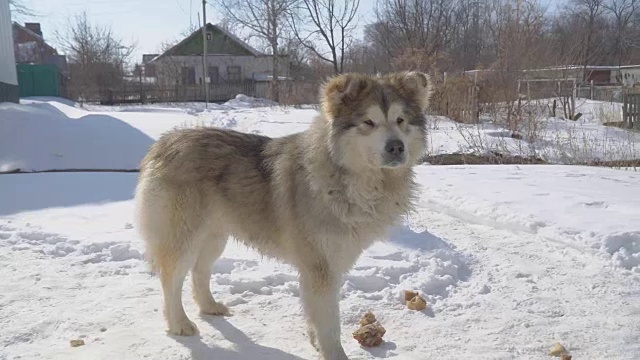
(393, 161)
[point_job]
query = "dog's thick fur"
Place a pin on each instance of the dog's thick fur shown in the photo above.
(314, 199)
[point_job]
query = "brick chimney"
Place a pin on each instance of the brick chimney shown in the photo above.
(35, 27)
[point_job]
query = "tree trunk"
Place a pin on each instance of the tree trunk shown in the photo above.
(275, 83)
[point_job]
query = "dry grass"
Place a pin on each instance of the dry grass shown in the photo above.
(474, 159)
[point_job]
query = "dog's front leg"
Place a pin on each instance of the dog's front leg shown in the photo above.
(320, 291)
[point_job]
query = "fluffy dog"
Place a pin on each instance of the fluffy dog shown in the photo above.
(315, 199)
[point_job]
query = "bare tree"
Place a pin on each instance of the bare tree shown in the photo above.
(326, 23)
(623, 13)
(169, 71)
(589, 12)
(97, 57)
(19, 8)
(267, 21)
(229, 25)
(421, 23)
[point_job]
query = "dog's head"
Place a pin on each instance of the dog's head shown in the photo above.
(377, 121)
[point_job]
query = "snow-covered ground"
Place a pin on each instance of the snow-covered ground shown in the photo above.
(510, 259)
(555, 140)
(45, 133)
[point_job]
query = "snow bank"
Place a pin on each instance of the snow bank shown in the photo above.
(42, 137)
(45, 134)
(244, 101)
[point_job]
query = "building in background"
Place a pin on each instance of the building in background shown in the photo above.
(8, 77)
(233, 66)
(41, 70)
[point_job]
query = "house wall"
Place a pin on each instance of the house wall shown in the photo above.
(599, 77)
(29, 48)
(169, 68)
(630, 76)
(8, 77)
(555, 74)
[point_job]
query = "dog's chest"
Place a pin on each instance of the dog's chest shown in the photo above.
(375, 204)
(364, 221)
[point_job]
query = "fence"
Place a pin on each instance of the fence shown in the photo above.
(457, 99)
(631, 109)
(291, 92)
(533, 89)
(38, 80)
(601, 93)
(219, 92)
(462, 99)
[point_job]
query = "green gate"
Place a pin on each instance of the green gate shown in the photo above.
(38, 80)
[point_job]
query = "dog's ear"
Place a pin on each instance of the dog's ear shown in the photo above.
(342, 90)
(416, 85)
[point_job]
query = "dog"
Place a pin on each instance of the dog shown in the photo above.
(315, 199)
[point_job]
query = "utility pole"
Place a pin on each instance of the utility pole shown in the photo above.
(204, 53)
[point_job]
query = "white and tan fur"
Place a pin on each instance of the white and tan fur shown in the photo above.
(314, 199)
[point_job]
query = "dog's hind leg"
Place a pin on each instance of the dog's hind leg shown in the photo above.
(169, 244)
(212, 248)
(172, 274)
(320, 299)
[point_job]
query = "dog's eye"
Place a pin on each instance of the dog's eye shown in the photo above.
(369, 122)
(400, 120)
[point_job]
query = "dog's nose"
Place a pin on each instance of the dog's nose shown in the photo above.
(395, 147)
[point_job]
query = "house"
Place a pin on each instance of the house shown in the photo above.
(596, 75)
(627, 75)
(233, 66)
(8, 77)
(31, 48)
(149, 69)
(41, 70)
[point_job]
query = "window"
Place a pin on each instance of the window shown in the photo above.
(233, 73)
(209, 36)
(188, 75)
(214, 75)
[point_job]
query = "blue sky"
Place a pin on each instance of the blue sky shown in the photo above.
(148, 22)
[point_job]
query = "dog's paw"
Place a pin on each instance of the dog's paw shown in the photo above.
(214, 308)
(313, 340)
(185, 327)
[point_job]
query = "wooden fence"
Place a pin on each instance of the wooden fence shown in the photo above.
(631, 108)
(219, 92)
(457, 99)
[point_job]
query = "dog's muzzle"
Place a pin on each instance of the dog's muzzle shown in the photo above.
(394, 153)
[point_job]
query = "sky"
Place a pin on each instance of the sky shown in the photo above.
(146, 22)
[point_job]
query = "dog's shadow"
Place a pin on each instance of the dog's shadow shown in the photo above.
(245, 348)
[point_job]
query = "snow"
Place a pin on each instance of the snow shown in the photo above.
(44, 133)
(510, 259)
(559, 203)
